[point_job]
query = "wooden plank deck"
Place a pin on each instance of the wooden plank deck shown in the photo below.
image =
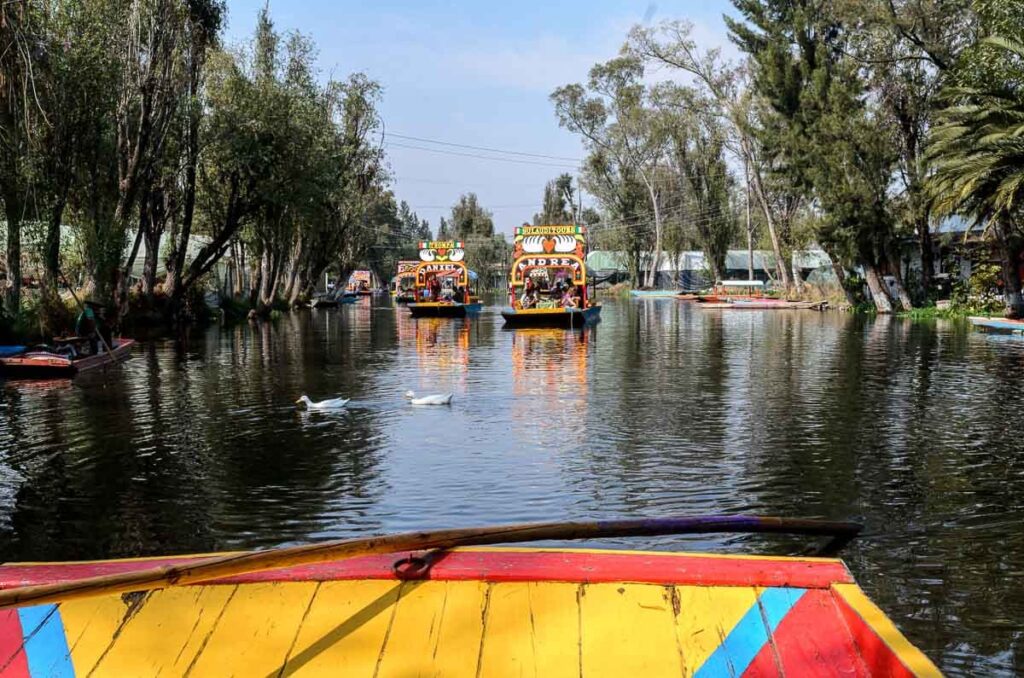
(480, 613)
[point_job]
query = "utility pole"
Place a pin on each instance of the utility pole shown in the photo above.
(750, 230)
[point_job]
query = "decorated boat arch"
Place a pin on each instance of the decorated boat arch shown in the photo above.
(403, 285)
(442, 282)
(548, 284)
(360, 282)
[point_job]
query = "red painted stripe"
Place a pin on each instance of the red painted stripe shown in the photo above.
(13, 660)
(812, 640)
(498, 566)
(764, 664)
(879, 658)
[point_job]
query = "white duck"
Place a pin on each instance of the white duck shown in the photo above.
(332, 404)
(436, 399)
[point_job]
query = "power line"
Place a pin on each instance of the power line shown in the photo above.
(480, 157)
(482, 148)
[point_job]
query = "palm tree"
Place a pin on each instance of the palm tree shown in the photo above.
(977, 150)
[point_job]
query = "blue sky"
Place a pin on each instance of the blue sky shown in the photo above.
(474, 73)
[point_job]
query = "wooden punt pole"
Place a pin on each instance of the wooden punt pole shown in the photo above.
(233, 564)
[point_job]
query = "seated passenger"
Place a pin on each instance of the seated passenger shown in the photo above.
(569, 299)
(529, 299)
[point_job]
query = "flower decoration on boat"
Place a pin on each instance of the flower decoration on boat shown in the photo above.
(552, 239)
(442, 250)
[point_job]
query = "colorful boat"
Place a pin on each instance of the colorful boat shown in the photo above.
(545, 261)
(998, 324)
(360, 282)
(442, 287)
(457, 612)
(403, 285)
(47, 363)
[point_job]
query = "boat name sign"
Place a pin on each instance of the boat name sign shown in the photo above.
(526, 263)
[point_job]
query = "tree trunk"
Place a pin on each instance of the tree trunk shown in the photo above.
(1011, 249)
(652, 272)
(879, 295)
(750, 228)
(769, 218)
(150, 262)
(840, 272)
(906, 303)
(13, 211)
(924, 240)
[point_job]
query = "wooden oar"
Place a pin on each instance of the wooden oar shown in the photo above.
(217, 567)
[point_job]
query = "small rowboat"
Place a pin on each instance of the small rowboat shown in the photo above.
(764, 305)
(456, 612)
(551, 317)
(653, 293)
(998, 324)
(43, 364)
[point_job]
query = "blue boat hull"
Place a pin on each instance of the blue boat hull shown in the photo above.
(435, 310)
(1000, 324)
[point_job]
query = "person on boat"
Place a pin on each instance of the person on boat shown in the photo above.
(89, 325)
(460, 295)
(529, 298)
(569, 297)
(435, 289)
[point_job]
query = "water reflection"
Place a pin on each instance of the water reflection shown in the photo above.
(662, 408)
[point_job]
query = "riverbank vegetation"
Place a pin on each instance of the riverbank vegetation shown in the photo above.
(138, 152)
(854, 125)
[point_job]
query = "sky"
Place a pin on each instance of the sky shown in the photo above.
(476, 74)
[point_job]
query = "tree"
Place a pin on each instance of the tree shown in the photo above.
(470, 220)
(907, 49)
(828, 136)
(613, 116)
(671, 45)
(558, 206)
(978, 152)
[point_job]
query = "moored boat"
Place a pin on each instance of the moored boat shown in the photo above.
(998, 324)
(456, 612)
(764, 305)
(548, 284)
(654, 293)
(442, 286)
(45, 363)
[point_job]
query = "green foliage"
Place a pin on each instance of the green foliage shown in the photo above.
(558, 208)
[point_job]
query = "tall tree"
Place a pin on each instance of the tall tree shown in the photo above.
(979, 153)
(613, 116)
(558, 206)
(728, 86)
(819, 123)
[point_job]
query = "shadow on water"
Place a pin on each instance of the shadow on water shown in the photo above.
(661, 408)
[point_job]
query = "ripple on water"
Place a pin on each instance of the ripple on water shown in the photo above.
(663, 408)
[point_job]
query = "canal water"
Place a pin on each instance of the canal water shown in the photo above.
(913, 428)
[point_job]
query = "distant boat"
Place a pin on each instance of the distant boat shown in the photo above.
(46, 363)
(764, 305)
(654, 293)
(999, 324)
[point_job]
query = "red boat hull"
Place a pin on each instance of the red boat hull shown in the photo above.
(40, 364)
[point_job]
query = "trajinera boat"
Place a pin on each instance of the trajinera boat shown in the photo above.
(44, 363)
(385, 606)
(403, 285)
(442, 288)
(548, 285)
(360, 282)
